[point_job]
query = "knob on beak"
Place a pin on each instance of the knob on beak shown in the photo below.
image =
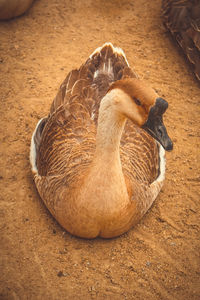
(155, 126)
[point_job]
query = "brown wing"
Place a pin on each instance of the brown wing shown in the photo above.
(93, 79)
(67, 142)
(66, 139)
(140, 159)
(182, 18)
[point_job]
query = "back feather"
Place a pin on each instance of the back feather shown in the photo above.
(105, 65)
(76, 105)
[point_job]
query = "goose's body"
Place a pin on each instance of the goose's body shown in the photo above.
(182, 18)
(97, 172)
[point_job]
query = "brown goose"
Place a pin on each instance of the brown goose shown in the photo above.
(182, 18)
(95, 163)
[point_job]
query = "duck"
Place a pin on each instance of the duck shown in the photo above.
(182, 19)
(98, 158)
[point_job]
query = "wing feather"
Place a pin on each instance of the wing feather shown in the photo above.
(182, 18)
(67, 137)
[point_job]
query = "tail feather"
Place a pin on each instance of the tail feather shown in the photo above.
(104, 66)
(110, 61)
(107, 50)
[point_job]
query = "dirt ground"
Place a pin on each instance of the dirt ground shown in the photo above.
(159, 258)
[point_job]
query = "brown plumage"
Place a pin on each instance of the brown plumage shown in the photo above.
(96, 172)
(182, 18)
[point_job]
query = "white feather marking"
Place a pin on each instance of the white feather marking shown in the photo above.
(117, 50)
(96, 73)
(92, 116)
(161, 176)
(33, 153)
(68, 82)
(95, 51)
(107, 68)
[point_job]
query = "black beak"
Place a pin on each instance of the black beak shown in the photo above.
(154, 125)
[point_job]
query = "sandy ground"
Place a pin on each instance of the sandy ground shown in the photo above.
(159, 258)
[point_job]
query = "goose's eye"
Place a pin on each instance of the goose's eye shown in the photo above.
(137, 101)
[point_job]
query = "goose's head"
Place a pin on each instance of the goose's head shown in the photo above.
(141, 104)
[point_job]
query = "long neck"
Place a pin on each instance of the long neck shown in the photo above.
(110, 127)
